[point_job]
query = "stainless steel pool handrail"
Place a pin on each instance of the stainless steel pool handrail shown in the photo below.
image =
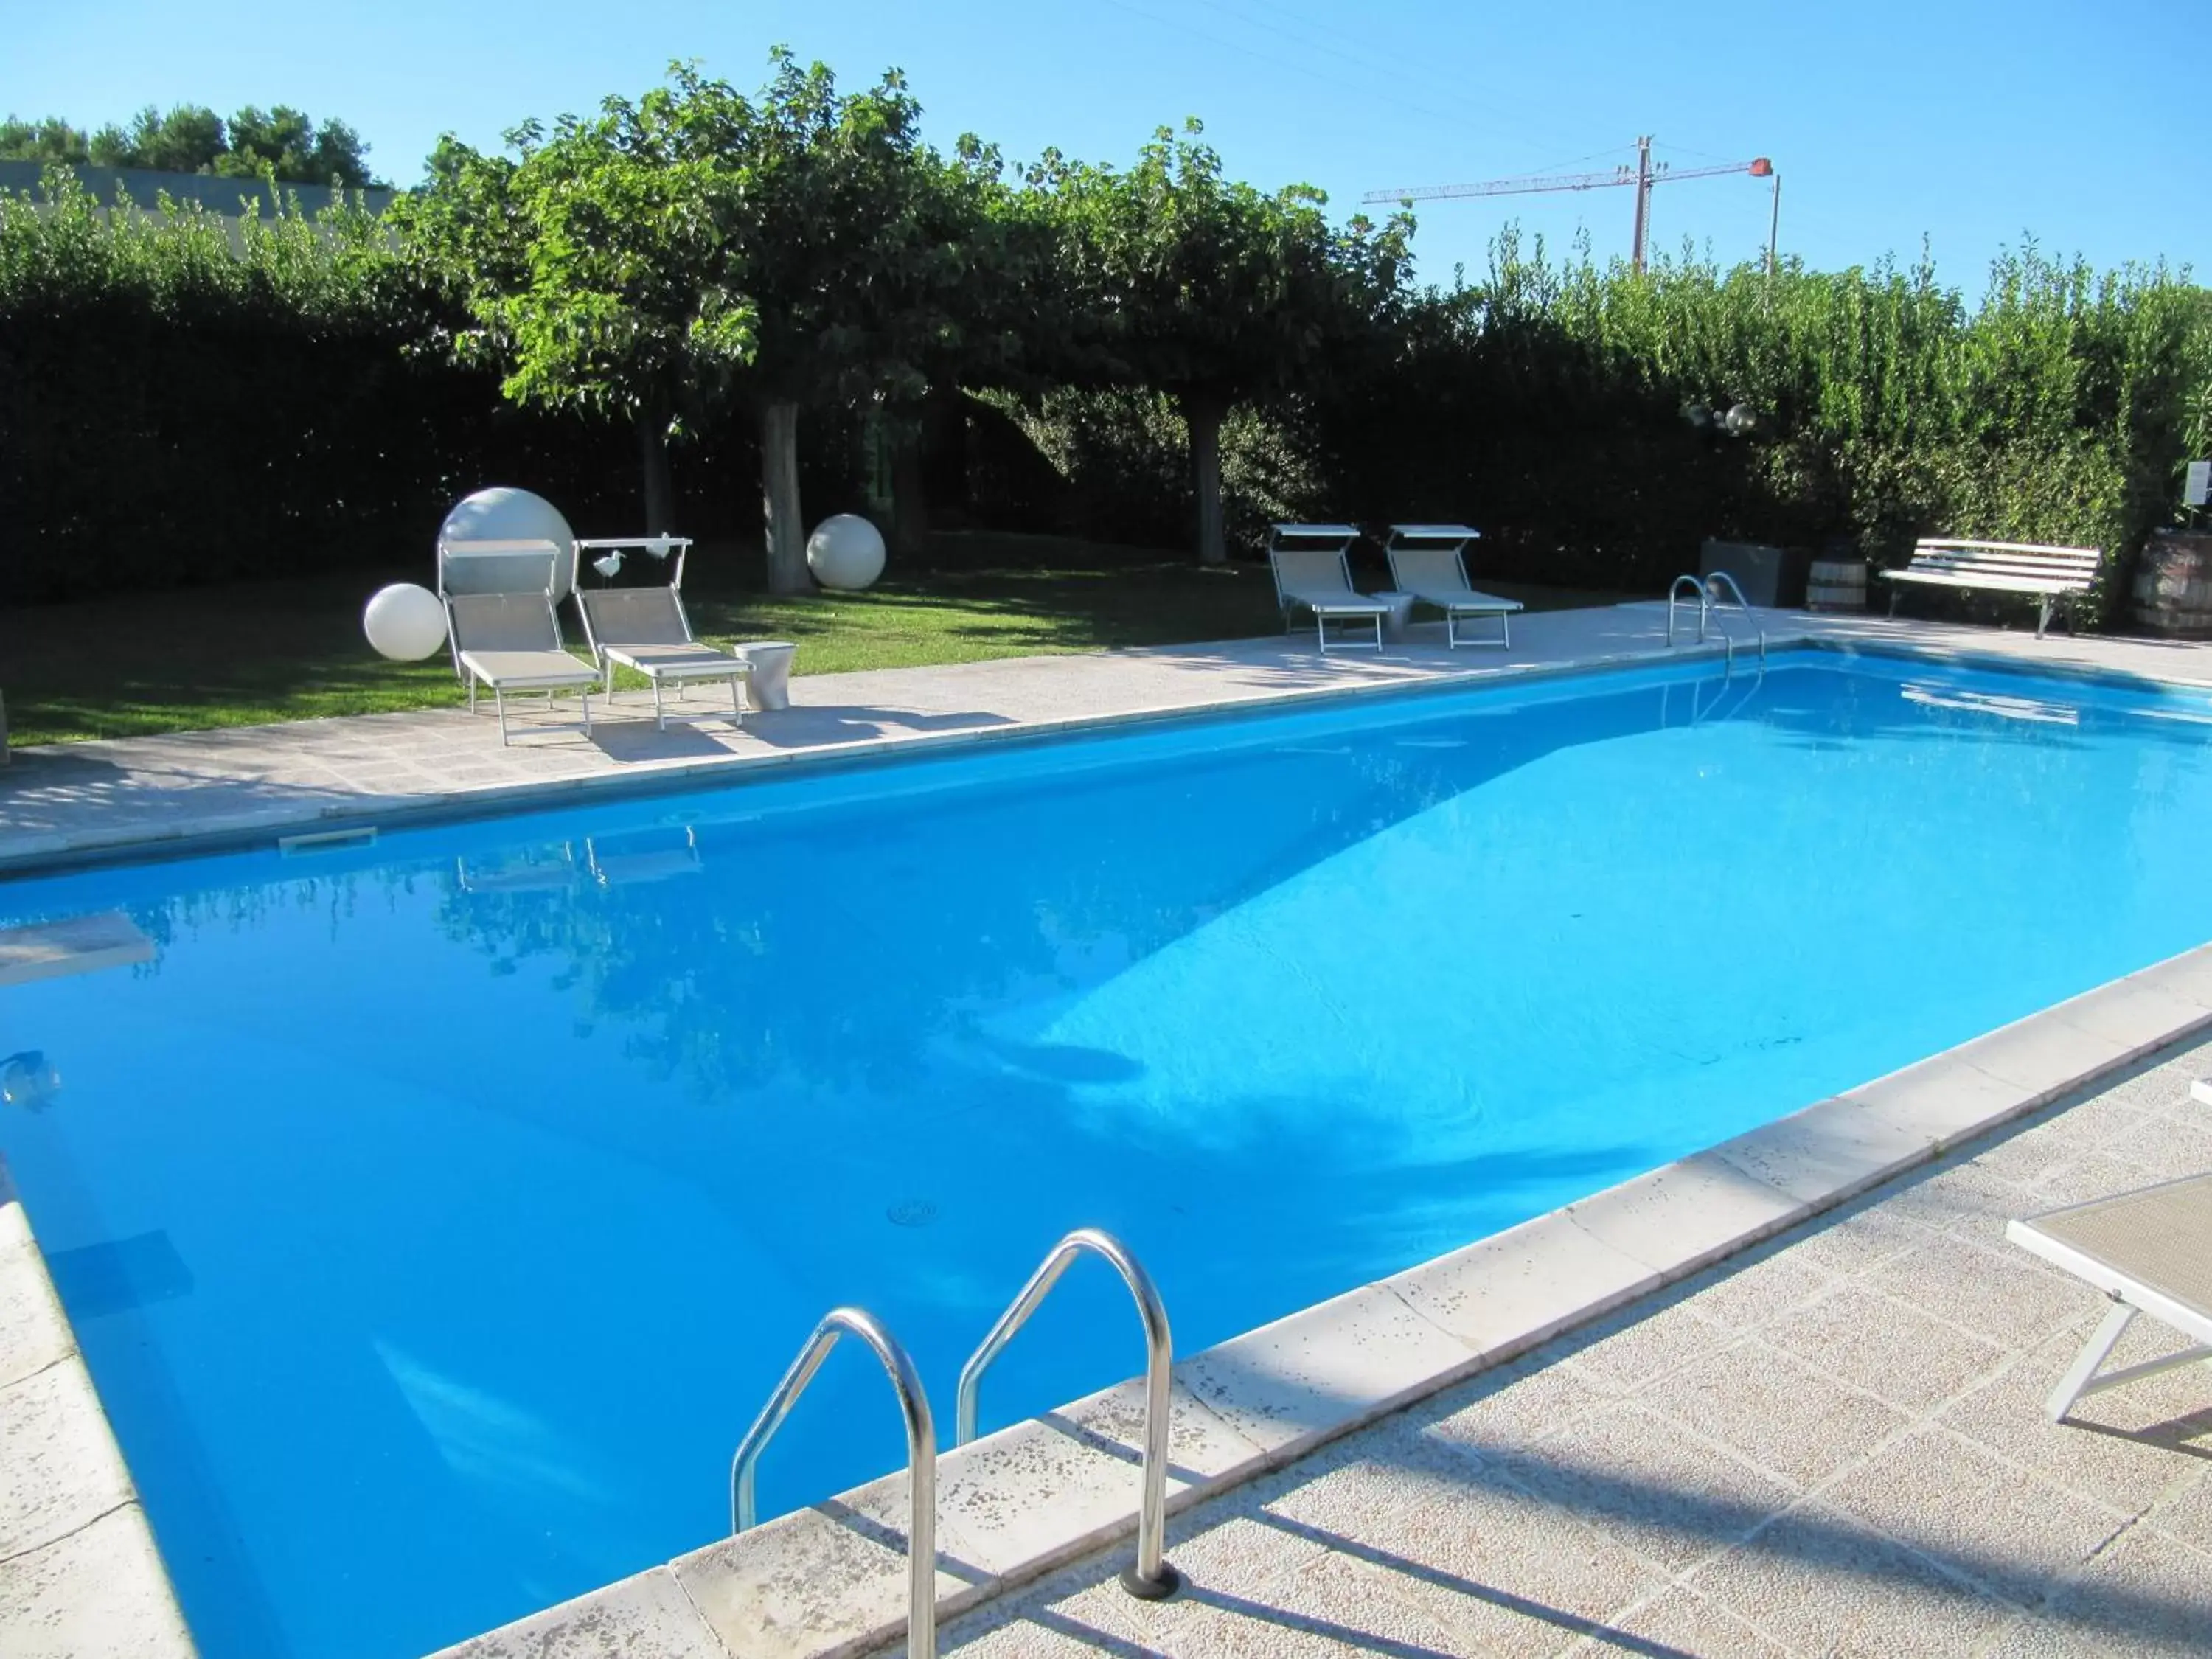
(1742, 604)
(1151, 1578)
(920, 1455)
(1673, 595)
(1708, 607)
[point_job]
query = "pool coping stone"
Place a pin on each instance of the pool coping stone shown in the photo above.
(79, 1572)
(829, 1582)
(265, 826)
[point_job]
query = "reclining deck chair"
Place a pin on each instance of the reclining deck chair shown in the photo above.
(645, 629)
(1427, 561)
(504, 631)
(1318, 579)
(2150, 1251)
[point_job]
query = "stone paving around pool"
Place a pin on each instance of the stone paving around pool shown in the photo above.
(1834, 1445)
(253, 782)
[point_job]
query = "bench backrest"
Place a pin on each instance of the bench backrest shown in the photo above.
(2075, 567)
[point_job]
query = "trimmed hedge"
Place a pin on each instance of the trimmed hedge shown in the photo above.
(182, 401)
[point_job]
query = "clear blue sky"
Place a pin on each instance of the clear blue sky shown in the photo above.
(1969, 121)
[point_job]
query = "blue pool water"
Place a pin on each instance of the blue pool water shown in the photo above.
(435, 1214)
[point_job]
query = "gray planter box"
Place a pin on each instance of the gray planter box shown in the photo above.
(1770, 576)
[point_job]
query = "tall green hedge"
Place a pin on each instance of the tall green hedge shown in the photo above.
(1550, 404)
(182, 402)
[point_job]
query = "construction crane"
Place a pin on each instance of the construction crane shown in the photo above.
(1643, 176)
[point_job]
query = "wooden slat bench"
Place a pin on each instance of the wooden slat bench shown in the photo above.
(2048, 573)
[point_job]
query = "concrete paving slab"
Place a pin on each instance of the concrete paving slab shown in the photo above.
(1784, 1493)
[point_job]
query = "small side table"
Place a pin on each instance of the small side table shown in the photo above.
(769, 686)
(1402, 614)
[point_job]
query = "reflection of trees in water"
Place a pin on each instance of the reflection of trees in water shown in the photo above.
(849, 946)
(338, 896)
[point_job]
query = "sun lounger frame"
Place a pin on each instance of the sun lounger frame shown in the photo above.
(1319, 581)
(1413, 545)
(2046, 1235)
(516, 576)
(701, 662)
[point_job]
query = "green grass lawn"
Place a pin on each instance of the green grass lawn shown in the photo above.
(293, 650)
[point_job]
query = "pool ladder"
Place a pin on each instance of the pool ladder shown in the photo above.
(1711, 606)
(1149, 1576)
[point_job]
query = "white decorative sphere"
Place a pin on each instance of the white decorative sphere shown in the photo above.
(404, 622)
(501, 514)
(845, 551)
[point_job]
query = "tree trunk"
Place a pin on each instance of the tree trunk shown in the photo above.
(660, 486)
(909, 507)
(785, 531)
(944, 453)
(1203, 416)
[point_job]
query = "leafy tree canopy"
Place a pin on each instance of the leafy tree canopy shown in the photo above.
(1215, 292)
(699, 248)
(282, 143)
(1213, 289)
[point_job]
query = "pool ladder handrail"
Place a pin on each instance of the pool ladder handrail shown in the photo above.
(1150, 1577)
(920, 1454)
(1710, 605)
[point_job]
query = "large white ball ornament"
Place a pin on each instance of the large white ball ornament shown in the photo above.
(845, 551)
(502, 514)
(404, 622)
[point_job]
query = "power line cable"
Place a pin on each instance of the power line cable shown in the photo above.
(1335, 81)
(1342, 48)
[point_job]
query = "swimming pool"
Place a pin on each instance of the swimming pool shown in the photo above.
(444, 1208)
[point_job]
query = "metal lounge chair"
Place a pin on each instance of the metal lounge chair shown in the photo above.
(645, 629)
(509, 641)
(1318, 579)
(2150, 1251)
(1428, 562)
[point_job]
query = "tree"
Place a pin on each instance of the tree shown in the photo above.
(589, 268)
(286, 144)
(48, 141)
(698, 251)
(282, 143)
(1216, 292)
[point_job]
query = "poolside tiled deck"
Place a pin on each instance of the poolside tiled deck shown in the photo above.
(1834, 1445)
(249, 782)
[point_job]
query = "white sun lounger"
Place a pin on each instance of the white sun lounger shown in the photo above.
(1428, 562)
(645, 629)
(1316, 577)
(2150, 1251)
(510, 642)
